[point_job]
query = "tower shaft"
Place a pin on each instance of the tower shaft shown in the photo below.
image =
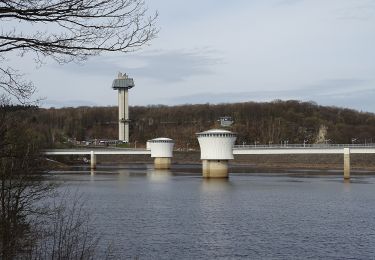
(123, 109)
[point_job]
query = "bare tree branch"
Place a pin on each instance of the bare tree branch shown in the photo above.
(69, 30)
(12, 82)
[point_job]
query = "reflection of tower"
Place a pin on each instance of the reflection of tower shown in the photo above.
(122, 84)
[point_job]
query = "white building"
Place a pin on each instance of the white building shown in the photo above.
(162, 151)
(216, 149)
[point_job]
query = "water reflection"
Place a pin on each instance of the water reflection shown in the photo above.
(215, 185)
(178, 215)
(347, 186)
(92, 174)
(123, 174)
(159, 175)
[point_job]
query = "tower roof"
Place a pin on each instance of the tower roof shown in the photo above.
(216, 132)
(161, 140)
(123, 82)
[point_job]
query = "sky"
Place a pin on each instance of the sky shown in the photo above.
(232, 51)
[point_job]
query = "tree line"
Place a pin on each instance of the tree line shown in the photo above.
(255, 122)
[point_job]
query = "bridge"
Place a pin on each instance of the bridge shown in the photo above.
(94, 152)
(345, 149)
(161, 149)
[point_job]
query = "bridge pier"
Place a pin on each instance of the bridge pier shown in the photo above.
(346, 163)
(92, 160)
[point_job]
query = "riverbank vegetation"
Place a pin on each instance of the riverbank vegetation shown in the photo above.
(37, 221)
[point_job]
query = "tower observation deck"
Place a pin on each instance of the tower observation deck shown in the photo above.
(122, 84)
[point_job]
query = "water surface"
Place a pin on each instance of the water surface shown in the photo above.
(178, 215)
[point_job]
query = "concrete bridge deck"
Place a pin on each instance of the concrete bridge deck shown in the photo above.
(93, 152)
(304, 149)
(101, 151)
(345, 149)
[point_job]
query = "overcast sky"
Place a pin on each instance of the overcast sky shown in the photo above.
(216, 51)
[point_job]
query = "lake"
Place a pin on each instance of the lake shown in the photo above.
(150, 214)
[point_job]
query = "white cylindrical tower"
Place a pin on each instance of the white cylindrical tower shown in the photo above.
(162, 151)
(216, 149)
(123, 84)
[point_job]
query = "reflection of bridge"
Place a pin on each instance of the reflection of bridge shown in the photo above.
(345, 149)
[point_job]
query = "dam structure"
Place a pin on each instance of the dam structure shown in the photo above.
(345, 149)
(122, 84)
(217, 149)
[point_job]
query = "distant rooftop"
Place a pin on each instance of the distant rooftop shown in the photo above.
(226, 121)
(123, 82)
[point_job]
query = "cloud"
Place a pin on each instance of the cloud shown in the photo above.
(172, 66)
(289, 2)
(362, 10)
(354, 93)
(336, 87)
(161, 65)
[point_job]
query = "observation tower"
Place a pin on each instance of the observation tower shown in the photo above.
(123, 83)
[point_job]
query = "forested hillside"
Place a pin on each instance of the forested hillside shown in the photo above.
(264, 123)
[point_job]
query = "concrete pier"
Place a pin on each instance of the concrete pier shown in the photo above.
(216, 149)
(162, 163)
(215, 169)
(346, 163)
(92, 160)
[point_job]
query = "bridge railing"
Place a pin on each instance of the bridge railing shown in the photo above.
(95, 149)
(317, 146)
